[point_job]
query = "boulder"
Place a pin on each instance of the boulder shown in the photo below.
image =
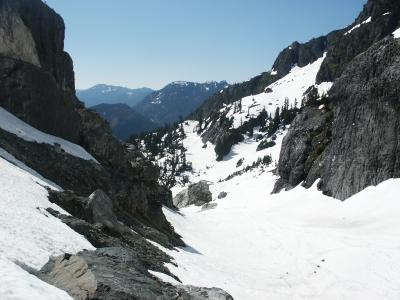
(209, 206)
(201, 293)
(222, 195)
(71, 274)
(197, 194)
(100, 209)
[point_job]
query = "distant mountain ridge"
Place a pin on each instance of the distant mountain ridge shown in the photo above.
(177, 99)
(103, 93)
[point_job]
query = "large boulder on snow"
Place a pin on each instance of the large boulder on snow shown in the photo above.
(100, 209)
(197, 194)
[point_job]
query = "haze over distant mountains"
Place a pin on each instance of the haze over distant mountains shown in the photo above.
(177, 99)
(133, 111)
(102, 93)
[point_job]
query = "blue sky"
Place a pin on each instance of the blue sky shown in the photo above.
(138, 43)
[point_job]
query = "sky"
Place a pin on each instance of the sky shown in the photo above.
(137, 43)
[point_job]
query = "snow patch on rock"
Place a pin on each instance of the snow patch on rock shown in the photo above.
(359, 25)
(396, 34)
(12, 124)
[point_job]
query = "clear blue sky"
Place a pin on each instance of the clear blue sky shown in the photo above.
(138, 43)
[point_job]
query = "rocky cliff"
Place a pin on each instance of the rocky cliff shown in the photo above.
(38, 86)
(353, 142)
(378, 19)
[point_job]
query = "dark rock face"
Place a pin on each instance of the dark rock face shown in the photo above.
(303, 143)
(342, 48)
(197, 194)
(364, 142)
(46, 30)
(107, 273)
(300, 55)
(33, 95)
(37, 86)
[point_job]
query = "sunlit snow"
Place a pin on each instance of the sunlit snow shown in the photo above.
(359, 25)
(298, 244)
(294, 245)
(396, 34)
(291, 87)
(29, 234)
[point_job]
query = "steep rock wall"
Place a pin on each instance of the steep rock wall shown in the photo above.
(363, 148)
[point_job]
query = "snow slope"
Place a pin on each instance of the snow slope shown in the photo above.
(12, 124)
(204, 163)
(396, 34)
(28, 234)
(292, 86)
(295, 245)
(17, 284)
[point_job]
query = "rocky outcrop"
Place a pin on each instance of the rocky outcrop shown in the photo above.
(362, 148)
(197, 293)
(32, 94)
(116, 273)
(305, 141)
(300, 55)
(37, 85)
(196, 194)
(32, 32)
(343, 47)
(72, 274)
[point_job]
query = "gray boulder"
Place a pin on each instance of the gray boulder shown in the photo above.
(197, 194)
(208, 206)
(201, 293)
(222, 195)
(71, 274)
(100, 210)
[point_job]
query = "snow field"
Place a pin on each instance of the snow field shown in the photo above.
(29, 235)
